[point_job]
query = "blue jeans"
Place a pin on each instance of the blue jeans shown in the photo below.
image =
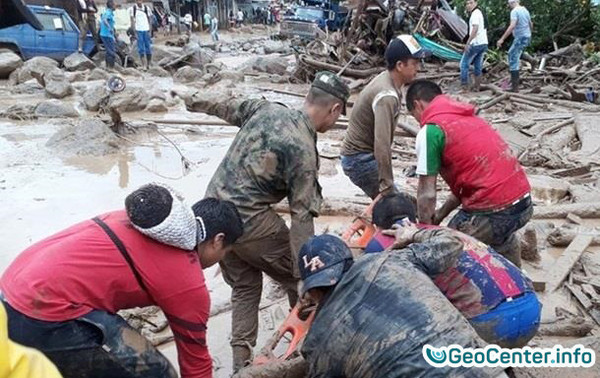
(143, 42)
(95, 345)
(516, 50)
(215, 35)
(109, 45)
(474, 54)
(512, 323)
(496, 229)
(362, 169)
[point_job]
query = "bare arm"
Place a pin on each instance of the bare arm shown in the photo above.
(474, 29)
(451, 203)
(426, 198)
(509, 30)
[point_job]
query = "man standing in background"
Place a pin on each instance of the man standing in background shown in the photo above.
(87, 22)
(520, 27)
(140, 22)
(476, 46)
(207, 20)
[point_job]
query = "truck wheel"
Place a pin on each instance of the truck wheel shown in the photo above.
(12, 48)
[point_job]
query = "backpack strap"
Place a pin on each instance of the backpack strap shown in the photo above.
(121, 247)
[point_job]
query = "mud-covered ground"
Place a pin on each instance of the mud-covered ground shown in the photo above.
(56, 171)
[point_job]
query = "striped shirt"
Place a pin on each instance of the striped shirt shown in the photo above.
(480, 280)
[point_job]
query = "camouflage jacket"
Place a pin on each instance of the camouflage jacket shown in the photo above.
(273, 156)
(385, 309)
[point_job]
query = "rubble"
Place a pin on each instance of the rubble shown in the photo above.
(98, 74)
(157, 106)
(95, 96)
(37, 65)
(130, 100)
(78, 62)
(87, 137)
(9, 61)
(55, 109)
(56, 84)
(187, 74)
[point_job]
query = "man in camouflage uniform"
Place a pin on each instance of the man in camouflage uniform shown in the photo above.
(273, 156)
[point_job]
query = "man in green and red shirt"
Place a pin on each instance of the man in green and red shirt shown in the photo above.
(484, 177)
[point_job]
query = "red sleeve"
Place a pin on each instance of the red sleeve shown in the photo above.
(185, 301)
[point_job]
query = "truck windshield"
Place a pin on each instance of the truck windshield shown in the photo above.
(311, 14)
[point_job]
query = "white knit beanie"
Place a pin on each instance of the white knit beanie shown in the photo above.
(160, 212)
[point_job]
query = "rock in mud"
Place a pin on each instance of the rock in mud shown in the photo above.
(56, 84)
(29, 87)
(19, 112)
(272, 65)
(76, 76)
(98, 74)
(130, 100)
(275, 47)
(55, 109)
(95, 96)
(38, 65)
(9, 61)
(88, 137)
(278, 79)
(157, 106)
(158, 71)
(547, 189)
(78, 62)
(188, 74)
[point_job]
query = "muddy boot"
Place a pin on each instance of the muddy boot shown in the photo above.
(476, 83)
(148, 61)
(242, 357)
(514, 81)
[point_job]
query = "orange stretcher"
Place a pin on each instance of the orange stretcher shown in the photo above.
(361, 230)
(293, 325)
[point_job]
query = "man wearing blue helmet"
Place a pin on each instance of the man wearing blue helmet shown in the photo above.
(376, 314)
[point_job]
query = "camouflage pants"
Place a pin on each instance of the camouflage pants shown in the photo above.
(96, 345)
(497, 229)
(242, 270)
(88, 24)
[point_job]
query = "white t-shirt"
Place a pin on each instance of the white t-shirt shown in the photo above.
(141, 19)
(481, 36)
(240, 16)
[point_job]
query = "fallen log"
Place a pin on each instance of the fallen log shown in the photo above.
(578, 326)
(294, 368)
(494, 101)
(360, 74)
(582, 209)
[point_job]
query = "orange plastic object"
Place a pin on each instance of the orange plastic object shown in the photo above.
(292, 324)
(361, 227)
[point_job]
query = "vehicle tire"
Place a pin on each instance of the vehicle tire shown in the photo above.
(11, 47)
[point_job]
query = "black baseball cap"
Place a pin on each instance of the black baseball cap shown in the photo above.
(402, 47)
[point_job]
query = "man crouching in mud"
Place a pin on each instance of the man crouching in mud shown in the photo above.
(62, 293)
(376, 314)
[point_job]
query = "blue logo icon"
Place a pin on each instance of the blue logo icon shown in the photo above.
(434, 356)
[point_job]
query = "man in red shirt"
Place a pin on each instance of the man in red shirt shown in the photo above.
(483, 175)
(62, 293)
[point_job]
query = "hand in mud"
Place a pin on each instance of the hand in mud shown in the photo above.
(403, 233)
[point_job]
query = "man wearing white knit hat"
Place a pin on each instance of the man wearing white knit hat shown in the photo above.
(62, 293)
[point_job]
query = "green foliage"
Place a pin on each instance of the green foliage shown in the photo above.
(559, 21)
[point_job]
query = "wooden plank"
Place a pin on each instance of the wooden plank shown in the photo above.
(564, 264)
(572, 172)
(539, 286)
(575, 219)
(580, 280)
(581, 297)
(589, 291)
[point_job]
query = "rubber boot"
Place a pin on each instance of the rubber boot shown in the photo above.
(241, 357)
(476, 83)
(148, 61)
(514, 81)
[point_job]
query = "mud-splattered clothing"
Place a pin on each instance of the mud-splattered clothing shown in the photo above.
(273, 156)
(79, 270)
(372, 124)
(480, 280)
(385, 309)
(470, 155)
